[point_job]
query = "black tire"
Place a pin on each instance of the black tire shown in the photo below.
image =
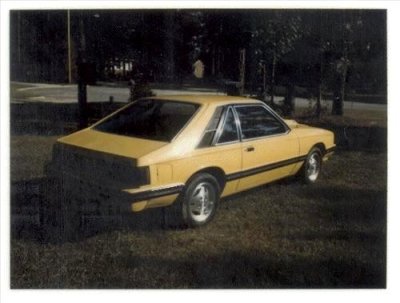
(312, 166)
(196, 205)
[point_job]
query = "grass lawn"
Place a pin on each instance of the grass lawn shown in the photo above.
(353, 117)
(283, 235)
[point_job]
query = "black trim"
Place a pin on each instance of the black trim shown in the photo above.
(152, 194)
(264, 168)
(330, 150)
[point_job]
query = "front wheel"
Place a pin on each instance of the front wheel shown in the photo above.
(312, 166)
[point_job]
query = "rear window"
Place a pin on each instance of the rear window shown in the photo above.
(150, 119)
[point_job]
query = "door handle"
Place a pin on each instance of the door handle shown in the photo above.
(249, 148)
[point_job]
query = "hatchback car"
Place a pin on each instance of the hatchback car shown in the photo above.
(182, 153)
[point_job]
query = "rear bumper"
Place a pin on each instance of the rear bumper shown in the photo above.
(329, 152)
(154, 197)
(156, 192)
(103, 199)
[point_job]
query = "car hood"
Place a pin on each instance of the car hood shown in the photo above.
(112, 144)
(291, 123)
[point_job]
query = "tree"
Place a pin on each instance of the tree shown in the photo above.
(275, 36)
(323, 50)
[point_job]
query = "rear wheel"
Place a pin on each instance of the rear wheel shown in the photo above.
(197, 204)
(312, 166)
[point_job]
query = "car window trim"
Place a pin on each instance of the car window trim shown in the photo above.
(280, 120)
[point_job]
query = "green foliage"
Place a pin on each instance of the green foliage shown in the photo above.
(302, 46)
(276, 35)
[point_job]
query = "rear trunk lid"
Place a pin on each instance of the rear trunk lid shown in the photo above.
(124, 146)
(108, 160)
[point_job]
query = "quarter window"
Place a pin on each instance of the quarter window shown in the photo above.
(211, 128)
(229, 131)
(256, 121)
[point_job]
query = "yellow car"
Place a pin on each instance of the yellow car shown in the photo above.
(183, 153)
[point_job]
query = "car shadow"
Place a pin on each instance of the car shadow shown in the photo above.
(28, 202)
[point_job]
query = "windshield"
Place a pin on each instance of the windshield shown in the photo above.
(150, 119)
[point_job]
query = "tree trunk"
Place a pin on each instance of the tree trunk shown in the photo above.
(242, 70)
(273, 77)
(343, 84)
(82, 102)
(289, 99)
(340, 86)
(169, 45)
(319, 97)
(321, 52)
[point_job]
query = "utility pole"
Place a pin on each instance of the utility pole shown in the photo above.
(69, 46)
(19, 39)
(82, 77)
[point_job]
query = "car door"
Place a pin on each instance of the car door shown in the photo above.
(269, 149)
(220, 146)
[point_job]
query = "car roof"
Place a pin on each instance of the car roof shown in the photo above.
(207, 99)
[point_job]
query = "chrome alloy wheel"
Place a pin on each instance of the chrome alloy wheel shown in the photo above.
(202, 202)
(313, 166)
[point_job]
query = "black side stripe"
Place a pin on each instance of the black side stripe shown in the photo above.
(152, 194)
(264, 168)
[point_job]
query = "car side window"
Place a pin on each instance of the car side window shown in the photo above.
(211, 129)
(229, 131)
(256, 121)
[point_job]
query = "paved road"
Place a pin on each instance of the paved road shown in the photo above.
(68, 94)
